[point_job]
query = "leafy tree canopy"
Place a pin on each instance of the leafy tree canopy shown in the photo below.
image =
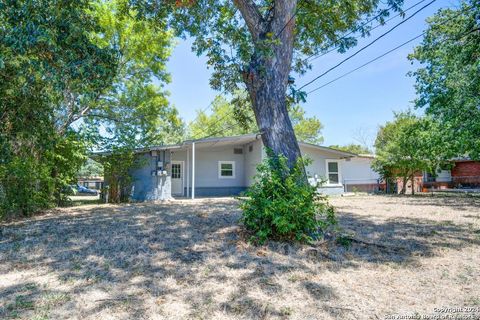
(48, 68)
(232, 118)
(135, 111)
(62, 61)
(224, 32)
(353, 148)
(91, 168)
(256, 44)
(448, 83)
(406, 145)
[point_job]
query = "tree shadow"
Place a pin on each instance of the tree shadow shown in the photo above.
(134, 260)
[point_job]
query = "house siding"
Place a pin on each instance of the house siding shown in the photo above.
(252, 159)
(358, 175)
(206, 167)
(207, 181)
(146, 187)
(319, 167)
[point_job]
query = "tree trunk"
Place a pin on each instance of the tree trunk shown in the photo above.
(267, 75)
(267, 93)
(412, 178)
(404, 186)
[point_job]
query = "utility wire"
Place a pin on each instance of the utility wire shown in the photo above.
(316, 56)
(367, 63)
(313, 57)
(366, 46)
(392, 50)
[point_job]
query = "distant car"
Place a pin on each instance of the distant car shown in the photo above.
(84, 190)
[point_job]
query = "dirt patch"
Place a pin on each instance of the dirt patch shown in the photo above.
(186, 259)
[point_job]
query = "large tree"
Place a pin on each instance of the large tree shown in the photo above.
(257, 44)
(65, 61)
(221, 122)
(448, 82)
(134, 111)
(48, 66)
(406, 146)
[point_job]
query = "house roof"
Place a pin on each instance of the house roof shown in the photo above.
(239, 140)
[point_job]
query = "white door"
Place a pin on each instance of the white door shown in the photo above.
(177, 177)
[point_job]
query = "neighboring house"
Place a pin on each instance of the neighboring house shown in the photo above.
(227, 166)
(465, 173)
(91, 182)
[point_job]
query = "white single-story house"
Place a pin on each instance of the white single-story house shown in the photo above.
(226, 166)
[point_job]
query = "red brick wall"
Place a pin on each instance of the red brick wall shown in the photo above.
(466, 173)
(466, 169)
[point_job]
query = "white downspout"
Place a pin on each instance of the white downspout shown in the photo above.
(193, 170)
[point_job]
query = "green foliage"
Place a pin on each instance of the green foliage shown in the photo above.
(280, 206)
(236, 117)
(117, 166)
(353, 148)
(135, 111)
(448, 83)
(407, 145)
(74, 74)
(48, 69)
(91, 168)
(344, 241)
(222, 35)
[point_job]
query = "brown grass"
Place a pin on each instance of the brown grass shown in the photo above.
(188, 260)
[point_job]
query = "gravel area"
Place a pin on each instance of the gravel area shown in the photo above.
(189, 260)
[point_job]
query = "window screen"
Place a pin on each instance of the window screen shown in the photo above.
(176, 171)
(333, 173)
(226, 169)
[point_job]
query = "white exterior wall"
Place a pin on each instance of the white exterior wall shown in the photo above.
(319, 165)
(207, 158)
(359, 171)
(444, 176)
(206, 166)
(252, 159)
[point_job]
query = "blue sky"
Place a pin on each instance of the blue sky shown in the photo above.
(350, 109)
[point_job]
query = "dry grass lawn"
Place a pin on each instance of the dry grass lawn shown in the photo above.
(188, 260)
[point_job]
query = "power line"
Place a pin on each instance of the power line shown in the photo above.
(390, 51)
(366, 46)
(316, 56)
(367, 63)
(289, 20)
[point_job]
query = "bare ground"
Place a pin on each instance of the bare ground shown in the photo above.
(189, 260)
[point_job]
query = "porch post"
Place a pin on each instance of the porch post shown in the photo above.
(193, 170)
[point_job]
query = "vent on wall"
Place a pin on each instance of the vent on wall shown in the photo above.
(237, 151)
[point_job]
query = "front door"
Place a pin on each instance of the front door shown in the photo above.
(177, 177)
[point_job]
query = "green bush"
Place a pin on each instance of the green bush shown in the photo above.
(281, 205)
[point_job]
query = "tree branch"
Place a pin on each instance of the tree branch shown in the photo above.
(251, 15)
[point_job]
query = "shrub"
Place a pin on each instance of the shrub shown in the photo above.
(281, 205)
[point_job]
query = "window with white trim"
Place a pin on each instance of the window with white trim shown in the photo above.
(333, 172)
(226, 169)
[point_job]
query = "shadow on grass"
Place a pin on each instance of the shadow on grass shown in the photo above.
(137, 250)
